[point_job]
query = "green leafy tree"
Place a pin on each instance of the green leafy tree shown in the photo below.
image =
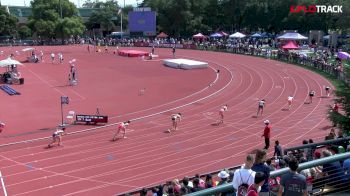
(46, 18)
(24, 32)
(7, 23)
(106, 16)
(342, 119)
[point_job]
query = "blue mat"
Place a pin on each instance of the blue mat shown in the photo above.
(9, 90)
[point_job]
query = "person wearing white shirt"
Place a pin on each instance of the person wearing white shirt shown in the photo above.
(244, 175)
(175, 118)
(57, 137)
(52, 57)
(221, 114)
(290, 101)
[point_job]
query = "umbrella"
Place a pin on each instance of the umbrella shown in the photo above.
(27, 49)
(237, 35)
(343, 55)
(9, 61)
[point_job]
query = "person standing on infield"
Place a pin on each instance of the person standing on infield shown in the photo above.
(267, 134)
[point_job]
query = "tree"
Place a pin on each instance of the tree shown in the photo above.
(46, 18)
(106, 16)
(71, 26)
(7, 23)
(24, 32)
(342, 118)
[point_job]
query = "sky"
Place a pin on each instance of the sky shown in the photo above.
(76, 2)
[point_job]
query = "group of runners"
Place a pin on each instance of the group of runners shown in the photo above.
(176, 118)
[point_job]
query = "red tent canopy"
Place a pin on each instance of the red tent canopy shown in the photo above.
(162, 35)
(199, 36)
(291, 45)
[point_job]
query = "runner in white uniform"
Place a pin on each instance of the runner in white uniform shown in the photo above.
(290, 101)
(221, 114)
(261, 105)
(175, 118)
(327, 88)
(121, 127)
(57, 137)
(52, 57)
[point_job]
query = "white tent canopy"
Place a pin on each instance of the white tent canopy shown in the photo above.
(292, 36)
(237, 35)
(9, 61)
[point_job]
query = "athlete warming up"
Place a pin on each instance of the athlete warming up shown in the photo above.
(175, 119)
(57, 137)
(261, 105)
(121, 127)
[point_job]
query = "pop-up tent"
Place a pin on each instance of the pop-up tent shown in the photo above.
(290, 45)
(256, 35)
(237, 35)
(216, 35)
(291, 36)
(162, 35)
(343, 55)
(199, 36)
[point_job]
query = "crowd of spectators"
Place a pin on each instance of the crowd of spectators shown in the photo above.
(334, 175)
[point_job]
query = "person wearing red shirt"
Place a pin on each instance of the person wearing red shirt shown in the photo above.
(259, 180)
(267, 134)
(335, 107)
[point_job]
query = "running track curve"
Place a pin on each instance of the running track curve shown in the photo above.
(90, 164)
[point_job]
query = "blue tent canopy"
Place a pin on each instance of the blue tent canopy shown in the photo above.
(256, 35)
(216, 35)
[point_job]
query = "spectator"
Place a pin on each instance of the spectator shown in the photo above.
(293, 183)
(230, 178)
(154, 191)
(244, 177)
(269, 164)
(346, 165)
(171, 191)
(143, 192)
(209, 183)
(176, 184)
(223, 175)
(305, 150)
(201, 181)
(259, 166)
(333, 172)
(186, 184)
(196, 186)
(160, 190)
(278, 150)
(311, 151)
(259, 180)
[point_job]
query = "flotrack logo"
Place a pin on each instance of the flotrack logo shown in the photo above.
(316, 8)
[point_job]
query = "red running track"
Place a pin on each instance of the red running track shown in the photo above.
(90, 164)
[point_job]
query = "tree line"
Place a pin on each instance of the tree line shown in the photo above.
(180, 18)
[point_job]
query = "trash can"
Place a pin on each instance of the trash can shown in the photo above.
(21, 81)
